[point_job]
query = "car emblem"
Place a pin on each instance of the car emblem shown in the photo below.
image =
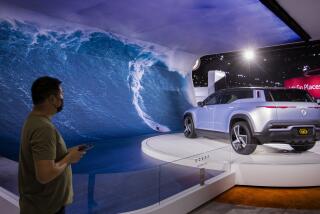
(303, 112)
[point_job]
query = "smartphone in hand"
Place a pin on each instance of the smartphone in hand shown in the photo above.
(85, 147)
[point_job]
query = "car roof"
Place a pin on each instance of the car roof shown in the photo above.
(252, 88)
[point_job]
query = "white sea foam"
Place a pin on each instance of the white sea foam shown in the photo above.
(137, 69)
(175, 59)
(180, 62)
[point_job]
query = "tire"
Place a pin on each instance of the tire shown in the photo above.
(241, 138)
(189, 130)
(303, 147)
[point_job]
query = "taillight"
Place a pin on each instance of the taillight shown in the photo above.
(276, 107)
(317, 107)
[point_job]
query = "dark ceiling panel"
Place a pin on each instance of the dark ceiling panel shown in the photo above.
(286, 18)
(305, 13)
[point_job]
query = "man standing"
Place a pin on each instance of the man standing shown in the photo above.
(45, 177)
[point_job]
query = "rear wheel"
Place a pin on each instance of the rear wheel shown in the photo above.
(303, 147)
(241, 138)
(189, 130)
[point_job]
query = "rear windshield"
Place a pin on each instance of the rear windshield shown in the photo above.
(289, 95)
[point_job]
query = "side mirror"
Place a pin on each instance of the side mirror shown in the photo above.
(200, 104)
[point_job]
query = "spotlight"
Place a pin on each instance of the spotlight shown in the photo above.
(249, 54)
(196, 65)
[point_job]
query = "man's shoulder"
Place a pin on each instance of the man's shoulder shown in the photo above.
(38, 122)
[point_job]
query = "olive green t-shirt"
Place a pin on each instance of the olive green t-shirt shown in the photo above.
(40, 140)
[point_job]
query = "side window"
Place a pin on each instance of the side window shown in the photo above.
(244, 94)
(211, 100)
(268, 96)
(226, 98)
(235, 95)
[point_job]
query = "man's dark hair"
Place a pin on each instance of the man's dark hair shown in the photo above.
(43, 87)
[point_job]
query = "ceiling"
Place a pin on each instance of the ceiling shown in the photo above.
(306, 13)
(194, 26)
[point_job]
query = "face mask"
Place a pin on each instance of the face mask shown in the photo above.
(60, 107)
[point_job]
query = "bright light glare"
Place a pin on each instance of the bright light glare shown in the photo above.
(196, 65)
(249, 54)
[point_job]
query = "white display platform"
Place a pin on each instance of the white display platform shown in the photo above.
(274, 165)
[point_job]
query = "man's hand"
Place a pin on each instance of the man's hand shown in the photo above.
(74, 154)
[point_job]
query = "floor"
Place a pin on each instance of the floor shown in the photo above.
(9, 175)
(289, 198)
(214, 207)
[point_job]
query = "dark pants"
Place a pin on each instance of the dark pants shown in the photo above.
(61, 211)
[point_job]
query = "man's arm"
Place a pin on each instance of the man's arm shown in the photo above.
(47, 170)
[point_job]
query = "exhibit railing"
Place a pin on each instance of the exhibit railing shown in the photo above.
(128, 191)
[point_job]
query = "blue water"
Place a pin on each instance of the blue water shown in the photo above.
(116, 156)
(113, 87)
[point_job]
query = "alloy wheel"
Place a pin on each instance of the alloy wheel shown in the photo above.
(239, 138)
(187, 126)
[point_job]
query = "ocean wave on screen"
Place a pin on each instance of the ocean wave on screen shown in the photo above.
(71, 36)
(175, 59)
(110, 83)
(137, 69)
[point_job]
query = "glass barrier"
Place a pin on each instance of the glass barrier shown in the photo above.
(115, 192)
(182, 174)
(99, 192)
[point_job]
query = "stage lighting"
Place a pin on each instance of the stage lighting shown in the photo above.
(249, 54)
(196, 65)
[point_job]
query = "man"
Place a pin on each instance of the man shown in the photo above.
(45, 177)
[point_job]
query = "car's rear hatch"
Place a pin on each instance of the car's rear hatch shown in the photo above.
(293, 105)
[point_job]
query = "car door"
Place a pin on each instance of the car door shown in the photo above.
(205, 113)
(226, 106)
(221, 112)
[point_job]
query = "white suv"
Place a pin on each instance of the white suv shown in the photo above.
(252, 116)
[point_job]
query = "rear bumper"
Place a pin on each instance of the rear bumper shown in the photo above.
(288, 133)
